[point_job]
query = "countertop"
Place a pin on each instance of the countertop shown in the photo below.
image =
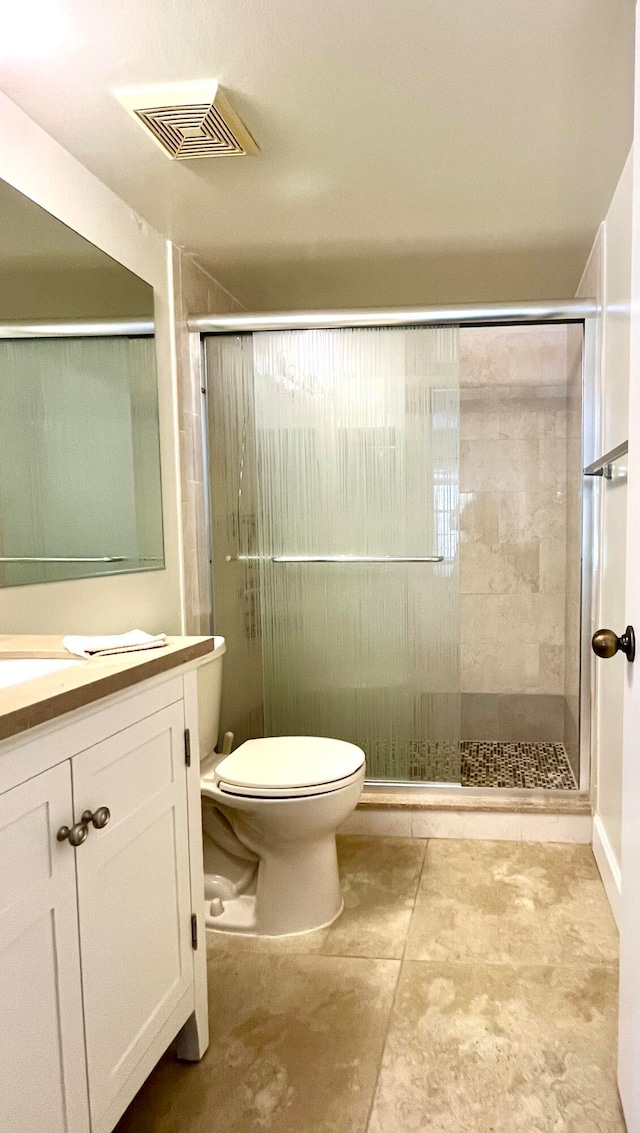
(36, 701)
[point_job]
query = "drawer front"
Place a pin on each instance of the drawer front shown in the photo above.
(134, 896)
(53, 743)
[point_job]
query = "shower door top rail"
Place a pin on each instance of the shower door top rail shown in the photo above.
(554, 311)
(338, 558)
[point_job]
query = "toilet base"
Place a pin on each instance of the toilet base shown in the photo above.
(295, 889)
(286, 861)
(239, 919)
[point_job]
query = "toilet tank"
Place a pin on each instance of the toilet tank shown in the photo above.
(209, 696)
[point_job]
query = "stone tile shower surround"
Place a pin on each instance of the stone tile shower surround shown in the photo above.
(520, 481)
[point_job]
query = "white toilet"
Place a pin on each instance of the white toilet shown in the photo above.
(270, 812)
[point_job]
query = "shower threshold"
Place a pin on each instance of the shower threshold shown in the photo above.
(449, 810)
(379, 795)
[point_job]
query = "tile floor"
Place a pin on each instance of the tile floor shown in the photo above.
(469, 987)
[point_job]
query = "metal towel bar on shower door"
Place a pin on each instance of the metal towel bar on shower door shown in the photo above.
(66, 559)
(338, 558)
(357, 558)
(602, 466)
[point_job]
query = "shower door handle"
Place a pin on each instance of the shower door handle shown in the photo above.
(605, 643)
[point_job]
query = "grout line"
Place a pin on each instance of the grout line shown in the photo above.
(374, 1092)
(415, 897)
(400, 960)
(383, 1047)
(587, 966)
(314, 954)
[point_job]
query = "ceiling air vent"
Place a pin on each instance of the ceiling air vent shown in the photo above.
(189, 120)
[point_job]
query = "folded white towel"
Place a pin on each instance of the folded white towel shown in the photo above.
(113, 643)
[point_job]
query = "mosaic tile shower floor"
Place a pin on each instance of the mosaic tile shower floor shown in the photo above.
(474, 763)
(491, 763)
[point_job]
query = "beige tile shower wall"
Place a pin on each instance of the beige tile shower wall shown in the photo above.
(194, 292)
(513, 462)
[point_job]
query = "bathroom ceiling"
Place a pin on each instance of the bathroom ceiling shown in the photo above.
(411, 151)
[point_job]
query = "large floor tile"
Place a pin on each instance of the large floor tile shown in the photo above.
(509, 902)
(295, 1048)
(379, 878)
(500, 1049)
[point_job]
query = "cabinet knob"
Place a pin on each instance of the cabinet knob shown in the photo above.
(606, 643)
(99, 818)
(78, 834)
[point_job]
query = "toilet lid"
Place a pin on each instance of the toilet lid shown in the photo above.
(286, 762)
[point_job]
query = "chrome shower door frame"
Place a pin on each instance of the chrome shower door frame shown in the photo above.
(583, 311)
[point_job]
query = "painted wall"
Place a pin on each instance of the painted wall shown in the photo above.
(72, 294)
(37, 166)
(608, 279)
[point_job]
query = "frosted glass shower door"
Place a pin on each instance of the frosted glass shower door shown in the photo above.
(357, 456)
(347, 451)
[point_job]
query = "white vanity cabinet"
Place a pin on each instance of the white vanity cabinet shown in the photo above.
(98, 971)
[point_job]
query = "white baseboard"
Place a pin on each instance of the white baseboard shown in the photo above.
(608, 866)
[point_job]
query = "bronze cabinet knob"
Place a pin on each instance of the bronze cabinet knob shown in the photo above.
(99, 818)
(78, 833)
(605, 643)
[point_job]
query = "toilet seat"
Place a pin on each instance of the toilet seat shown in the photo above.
(288, 767)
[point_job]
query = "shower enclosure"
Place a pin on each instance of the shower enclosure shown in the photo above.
(386, 505)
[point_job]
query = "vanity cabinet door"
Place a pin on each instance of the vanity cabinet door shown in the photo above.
(42, 1057)
(134, 905)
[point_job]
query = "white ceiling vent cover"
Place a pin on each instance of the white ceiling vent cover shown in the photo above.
(189, 120)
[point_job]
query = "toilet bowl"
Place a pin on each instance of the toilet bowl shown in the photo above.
(270, 814)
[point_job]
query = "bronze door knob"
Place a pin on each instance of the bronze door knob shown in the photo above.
(605, 643)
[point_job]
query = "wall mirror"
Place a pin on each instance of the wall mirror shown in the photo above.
(80, 487)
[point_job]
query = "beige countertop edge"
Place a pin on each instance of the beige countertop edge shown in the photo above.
(38, 701)
(451, 800)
